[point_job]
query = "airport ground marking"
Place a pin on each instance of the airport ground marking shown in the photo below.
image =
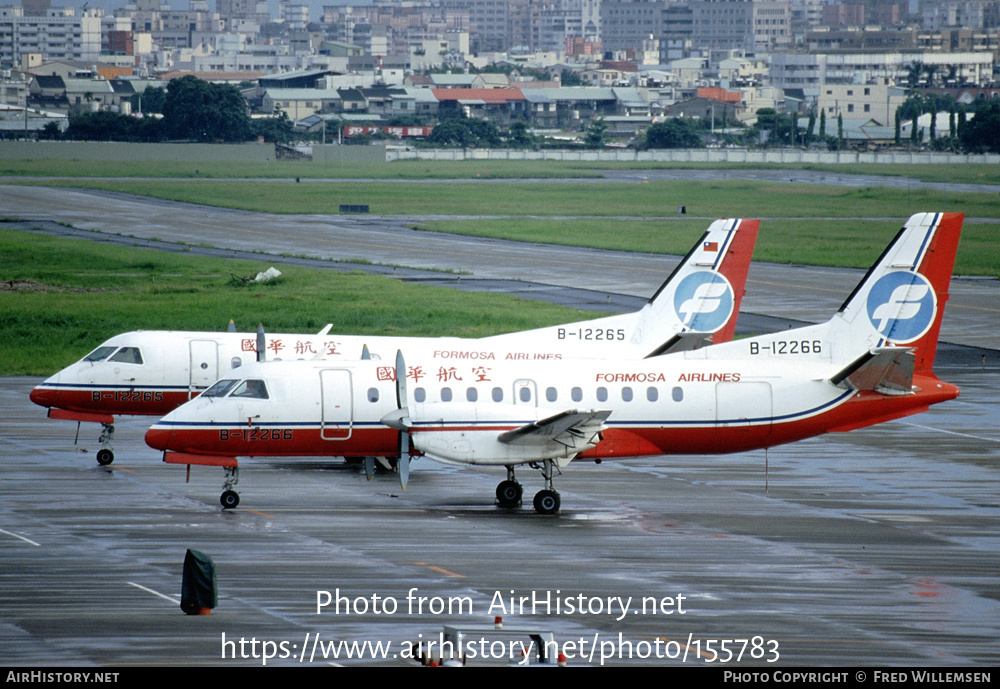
(26, 540)
(440, 570)
(155, 593)
(942, 430)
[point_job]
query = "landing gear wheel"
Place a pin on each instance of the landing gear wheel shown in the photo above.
(230, 499)
(105, 457)
(509, 493)
(547, 502)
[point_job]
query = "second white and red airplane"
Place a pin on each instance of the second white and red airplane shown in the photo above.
(870, 363)
(149, 373)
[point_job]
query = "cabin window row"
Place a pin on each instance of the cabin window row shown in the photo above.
(525, 394)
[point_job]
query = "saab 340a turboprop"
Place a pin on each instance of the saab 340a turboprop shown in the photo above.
(153, 372)
(870, 363)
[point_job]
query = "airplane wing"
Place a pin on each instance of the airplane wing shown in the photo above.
(888, 370)
(572, 429)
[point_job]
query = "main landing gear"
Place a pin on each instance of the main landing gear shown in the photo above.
(230, 498)
(106, 455)
(546, 501)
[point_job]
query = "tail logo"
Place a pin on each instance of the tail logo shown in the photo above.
(704, 301)
(901, 306)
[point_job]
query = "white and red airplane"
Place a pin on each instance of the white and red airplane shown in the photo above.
(870, 363)
(152, 372)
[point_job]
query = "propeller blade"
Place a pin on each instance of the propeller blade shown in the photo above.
(261, 345)
(232, 326)
(369, 467)
(400, 380)
(365, 354)
(404, 459)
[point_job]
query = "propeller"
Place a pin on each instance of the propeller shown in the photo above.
(261, 345)
(400, 420)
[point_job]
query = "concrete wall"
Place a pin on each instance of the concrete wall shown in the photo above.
(331, 154)
(697, 155)
(113, 151)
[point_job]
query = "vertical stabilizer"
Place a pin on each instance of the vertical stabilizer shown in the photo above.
(901, 300)
(703, 294)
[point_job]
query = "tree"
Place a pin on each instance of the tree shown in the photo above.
(673, 133)
(103, 126)
(277, 130)
(779, 129)
(595, 133)
(196, 109)
(569, 77)
(982, 132)
(50, 131)
(519, 136)
(822, 124)
(456, 129)
(151, 100)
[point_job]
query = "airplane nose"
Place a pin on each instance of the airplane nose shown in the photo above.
(44, 397)
(159, 438)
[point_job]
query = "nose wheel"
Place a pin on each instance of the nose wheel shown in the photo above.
(230, 498)
(106, 455)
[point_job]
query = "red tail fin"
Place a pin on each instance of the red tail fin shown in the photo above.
(735, 267)
(937, 266)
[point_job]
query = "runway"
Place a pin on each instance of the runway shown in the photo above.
(876, 547)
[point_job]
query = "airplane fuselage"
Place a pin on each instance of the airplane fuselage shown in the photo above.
(153, 372)
(669, 405)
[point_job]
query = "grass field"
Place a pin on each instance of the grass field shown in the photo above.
(654, 199)
(470, 169)
(826, 242)
(68, 296)
(60, 298)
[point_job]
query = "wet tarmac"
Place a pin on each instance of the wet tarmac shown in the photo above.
(876, 547)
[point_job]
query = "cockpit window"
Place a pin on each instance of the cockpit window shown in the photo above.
(251, 388)
(99, 354)
(220, 388)
(127, 355)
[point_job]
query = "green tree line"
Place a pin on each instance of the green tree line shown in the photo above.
(192, 110)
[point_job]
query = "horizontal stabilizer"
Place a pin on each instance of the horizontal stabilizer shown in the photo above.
(571, 429)
(682, 342)
(888, 370)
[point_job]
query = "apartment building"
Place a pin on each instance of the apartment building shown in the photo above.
(59, 34)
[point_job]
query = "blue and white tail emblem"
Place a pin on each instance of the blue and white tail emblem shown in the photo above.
(901, 306)
(704, 301)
